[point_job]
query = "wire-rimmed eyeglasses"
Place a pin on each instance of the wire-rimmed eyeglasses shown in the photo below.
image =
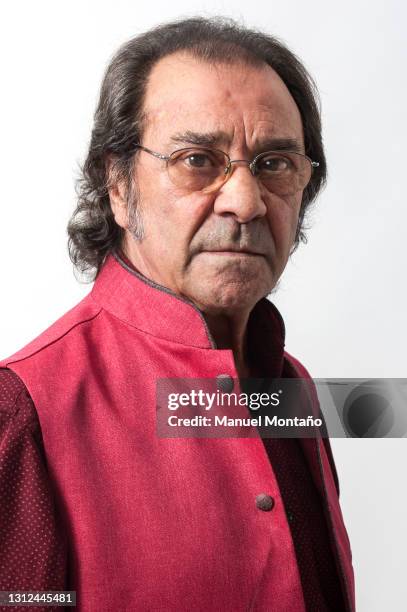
(202, 169)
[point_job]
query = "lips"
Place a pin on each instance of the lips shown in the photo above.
(234, 251)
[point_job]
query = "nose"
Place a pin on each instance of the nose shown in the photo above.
(240, 195)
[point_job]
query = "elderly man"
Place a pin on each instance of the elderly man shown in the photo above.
(205, 154)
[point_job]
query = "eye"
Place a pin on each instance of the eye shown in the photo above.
(198, 160)
(275, 164)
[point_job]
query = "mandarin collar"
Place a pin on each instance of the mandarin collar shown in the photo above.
(156, 310)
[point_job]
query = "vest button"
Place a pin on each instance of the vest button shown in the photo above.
(225, 383)
(264, 502)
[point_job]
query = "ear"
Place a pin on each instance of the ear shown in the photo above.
(117, 193)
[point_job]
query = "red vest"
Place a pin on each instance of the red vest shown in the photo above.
(159, 524)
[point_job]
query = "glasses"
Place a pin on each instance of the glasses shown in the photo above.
(206, 170)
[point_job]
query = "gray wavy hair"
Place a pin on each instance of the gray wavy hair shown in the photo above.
(118, 122)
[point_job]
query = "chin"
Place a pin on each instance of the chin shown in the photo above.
(232, 296)
(229, 286)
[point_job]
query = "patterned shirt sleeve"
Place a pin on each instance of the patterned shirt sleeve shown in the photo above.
(32, 543)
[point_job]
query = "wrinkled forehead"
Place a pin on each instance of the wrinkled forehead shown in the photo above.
(242, 103)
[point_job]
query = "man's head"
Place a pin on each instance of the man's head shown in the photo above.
(198, 83)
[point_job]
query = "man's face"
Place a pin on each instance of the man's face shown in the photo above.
(223, 250)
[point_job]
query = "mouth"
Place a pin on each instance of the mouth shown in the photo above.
(234, 253)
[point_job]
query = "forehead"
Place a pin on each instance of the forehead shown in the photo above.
(246, 103)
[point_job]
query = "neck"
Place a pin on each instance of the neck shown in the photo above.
(230, 332)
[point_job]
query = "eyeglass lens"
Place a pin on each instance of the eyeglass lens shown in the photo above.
(199, 169)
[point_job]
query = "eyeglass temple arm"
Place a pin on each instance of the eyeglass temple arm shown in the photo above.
(159, 155)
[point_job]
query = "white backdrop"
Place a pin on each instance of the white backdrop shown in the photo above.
(343, 295)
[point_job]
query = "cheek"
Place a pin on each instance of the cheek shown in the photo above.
(283, 220)
(187, 213)
(172, 216)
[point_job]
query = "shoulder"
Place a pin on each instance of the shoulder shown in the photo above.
(297, 368)
(69, 323)
(15, 401)
(19, 422)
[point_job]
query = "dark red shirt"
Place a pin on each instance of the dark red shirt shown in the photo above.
(32, 542)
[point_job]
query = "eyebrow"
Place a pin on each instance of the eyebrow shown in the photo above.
(215, 139)
(208, 139)
(283, 144)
